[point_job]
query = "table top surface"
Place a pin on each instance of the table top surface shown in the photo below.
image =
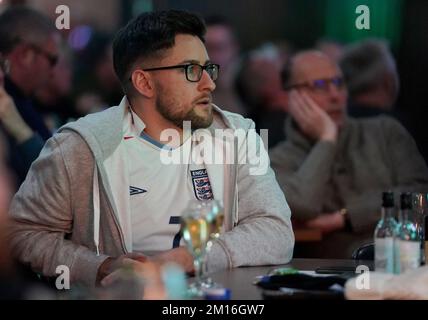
(241, 280)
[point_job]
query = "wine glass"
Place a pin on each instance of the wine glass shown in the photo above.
(215, 218)
(195, 231)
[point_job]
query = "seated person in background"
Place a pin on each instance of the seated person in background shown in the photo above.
(332, 168)
(100, 193)
(54, 99)
(259, 84)
(29, 43)
(371, 77)
(373, 83)
(223, 48)
(27, 143)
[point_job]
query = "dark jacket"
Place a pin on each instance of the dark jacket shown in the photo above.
(21, 156)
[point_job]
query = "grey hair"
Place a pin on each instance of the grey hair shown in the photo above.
(365, 63)
(20, 23)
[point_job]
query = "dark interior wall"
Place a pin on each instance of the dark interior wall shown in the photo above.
(257, 21)
(413, 53)
(413, 68)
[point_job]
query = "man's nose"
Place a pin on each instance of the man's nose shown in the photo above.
(206, 83)
(334, 91)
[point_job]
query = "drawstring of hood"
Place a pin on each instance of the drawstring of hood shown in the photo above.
(96, 204)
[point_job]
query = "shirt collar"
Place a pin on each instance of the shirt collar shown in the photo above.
(137, 125)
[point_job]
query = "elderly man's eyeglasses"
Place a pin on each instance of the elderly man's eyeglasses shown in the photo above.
(320, 85)
(193, 71)
(52, 59)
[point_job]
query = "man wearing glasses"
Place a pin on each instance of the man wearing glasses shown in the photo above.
(29, 49)
(333, 168)
(99, 197)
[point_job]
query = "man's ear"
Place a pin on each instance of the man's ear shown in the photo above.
(143, 83)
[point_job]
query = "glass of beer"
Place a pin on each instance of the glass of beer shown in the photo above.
(196, 233)
(215, 219)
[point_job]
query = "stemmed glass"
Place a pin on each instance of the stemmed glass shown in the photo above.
(215, 218)
(195, 231)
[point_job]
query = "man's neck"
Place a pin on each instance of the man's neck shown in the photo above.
(155, 124)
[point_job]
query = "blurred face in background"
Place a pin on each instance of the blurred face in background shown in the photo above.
(44, 61)
(32, 63)
(318, 76)
(221, 45)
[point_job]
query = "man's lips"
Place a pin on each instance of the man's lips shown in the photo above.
(204, 101)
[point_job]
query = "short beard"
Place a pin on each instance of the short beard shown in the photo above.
(165, 107)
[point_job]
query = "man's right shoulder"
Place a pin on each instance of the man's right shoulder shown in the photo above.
(68, 142)
(68, 137)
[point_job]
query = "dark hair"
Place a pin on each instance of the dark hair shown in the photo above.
(20, 23)
(148, 35)
(365, 63)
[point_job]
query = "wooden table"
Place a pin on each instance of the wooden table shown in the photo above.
(307, 235)
(240, 280)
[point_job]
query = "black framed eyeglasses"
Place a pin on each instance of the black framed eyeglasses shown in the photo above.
(53, 59)
(193, 71)
(320, 85)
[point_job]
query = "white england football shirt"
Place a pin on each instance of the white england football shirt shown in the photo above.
(159, 192)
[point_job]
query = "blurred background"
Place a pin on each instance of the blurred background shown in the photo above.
(271, 29)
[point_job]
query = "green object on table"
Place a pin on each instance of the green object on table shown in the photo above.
(284, 271)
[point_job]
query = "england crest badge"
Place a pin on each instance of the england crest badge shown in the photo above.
(201, 184)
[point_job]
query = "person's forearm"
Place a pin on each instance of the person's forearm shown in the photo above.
(248, 245)
(22, 134)
(304, 188)
(17, 128)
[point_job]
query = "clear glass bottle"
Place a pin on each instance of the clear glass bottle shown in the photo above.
(385, 234)
(420, 210)
(409, 236)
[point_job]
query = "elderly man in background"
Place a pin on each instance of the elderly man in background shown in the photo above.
(332, 168)
(29, 46)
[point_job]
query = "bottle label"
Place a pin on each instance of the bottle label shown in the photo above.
(410, 252)
(384, 254)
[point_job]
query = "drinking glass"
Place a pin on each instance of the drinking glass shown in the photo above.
(195, 232)
(215, 218)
